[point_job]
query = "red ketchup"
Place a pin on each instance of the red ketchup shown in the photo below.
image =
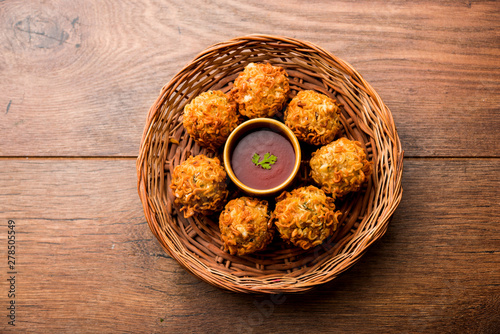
(262, 142)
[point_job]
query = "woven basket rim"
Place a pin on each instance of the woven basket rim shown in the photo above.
(383, 137)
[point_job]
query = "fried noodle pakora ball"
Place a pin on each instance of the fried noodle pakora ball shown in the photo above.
(199, 185)
(305, 216)
(245, 225)
(210, 117)
(340, 167)
(260, 90)
(313, 117)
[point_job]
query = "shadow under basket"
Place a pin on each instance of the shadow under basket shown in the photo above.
(281, 268)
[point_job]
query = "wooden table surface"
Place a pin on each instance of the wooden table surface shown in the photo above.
(77, 80)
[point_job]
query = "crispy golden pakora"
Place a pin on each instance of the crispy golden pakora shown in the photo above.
(260, 90)
(199, 185)
(210, 117)
(305, 216)
(313, 117)
(245, 225)
(340, 167)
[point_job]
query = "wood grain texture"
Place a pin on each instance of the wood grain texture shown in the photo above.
(79, 77)
(88, 262)
(76, 82)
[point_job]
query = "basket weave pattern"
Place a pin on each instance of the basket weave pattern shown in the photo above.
(195, 242)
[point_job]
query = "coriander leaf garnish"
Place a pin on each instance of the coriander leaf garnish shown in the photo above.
(255, 159)
(268, 160)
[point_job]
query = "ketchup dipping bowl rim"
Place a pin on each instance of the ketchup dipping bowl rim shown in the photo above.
(256, 124)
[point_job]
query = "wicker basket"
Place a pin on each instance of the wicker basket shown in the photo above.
(195, 242)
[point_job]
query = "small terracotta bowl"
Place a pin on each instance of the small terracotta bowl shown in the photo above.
(254, 125)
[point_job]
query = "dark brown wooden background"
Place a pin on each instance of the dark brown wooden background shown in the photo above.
(77, 79)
